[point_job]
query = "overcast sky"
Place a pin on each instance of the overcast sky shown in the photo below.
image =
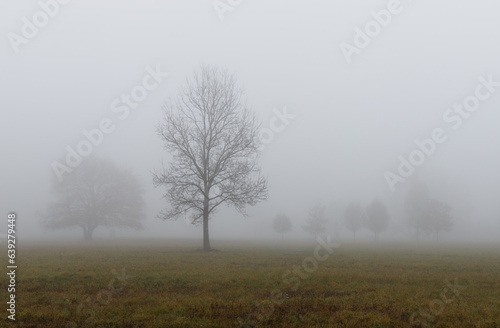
(355, 111)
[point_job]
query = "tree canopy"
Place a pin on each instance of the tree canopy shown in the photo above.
(377, 217)
(282, 224)
(95, 194)
(354, 215)
(425, 213)
(316, 221)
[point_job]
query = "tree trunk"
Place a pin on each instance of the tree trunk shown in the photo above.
(87, 234)
(206, 240)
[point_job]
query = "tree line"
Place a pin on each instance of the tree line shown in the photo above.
(213, 140)
(423, 213)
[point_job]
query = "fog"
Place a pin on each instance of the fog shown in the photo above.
(345, 119)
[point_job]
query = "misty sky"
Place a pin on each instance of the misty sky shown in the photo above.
(352, 120)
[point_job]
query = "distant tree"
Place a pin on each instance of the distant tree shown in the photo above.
(95, 194)
(353, 217)
(337, 219)
(425, 214)
(316, 221)
(214, 141)
(282, 224)
(377, 217)
(440, 218)
(417, 207)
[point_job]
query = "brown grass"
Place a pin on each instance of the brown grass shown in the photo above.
(366, 285)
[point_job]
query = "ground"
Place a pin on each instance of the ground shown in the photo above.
(172, 284)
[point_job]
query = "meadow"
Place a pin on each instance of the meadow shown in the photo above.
(156, 283)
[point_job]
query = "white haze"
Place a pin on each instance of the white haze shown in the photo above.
(352, 121)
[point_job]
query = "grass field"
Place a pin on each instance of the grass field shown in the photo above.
(171, 284)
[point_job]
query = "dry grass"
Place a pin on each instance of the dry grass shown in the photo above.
(173, 285)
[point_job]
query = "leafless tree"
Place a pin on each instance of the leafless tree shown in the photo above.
(337, 219)
(213, 139)
(316, 221)
(417, 207)
(440, 218)
(282, 224)
(427, 214)
(377, 217)
(95, 194)
(354, 216)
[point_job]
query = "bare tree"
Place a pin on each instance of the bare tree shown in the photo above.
(213, 139)
(337, 219)
(440, 218)
(354, 216)
(377, 217)
(95, 194)
(417, 207)
(316, 221)
(282, 224)
(426, 214)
